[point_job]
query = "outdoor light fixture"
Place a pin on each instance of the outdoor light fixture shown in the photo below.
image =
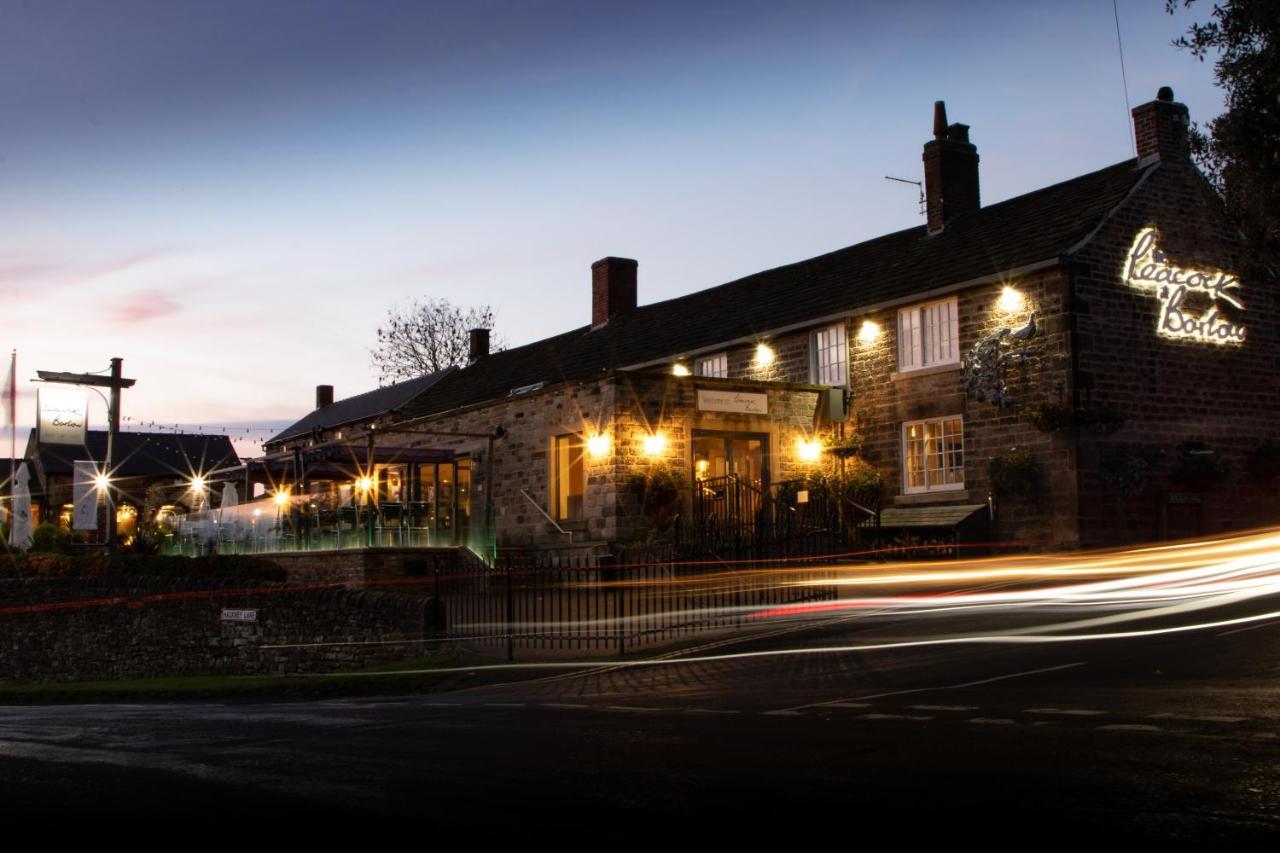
(598, 445)
(764, 354)
(101, 481)
(282, 497)
(1010, 300)
(869, 332)
(655, 444)
(365, 484)
(679, 369)
(197, 484)
(808, 449)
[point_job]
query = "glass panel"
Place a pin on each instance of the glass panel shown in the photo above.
(444, 498)
(464, 500)
(427, 496)
(710, 457)
(748, 460)
(570, 477)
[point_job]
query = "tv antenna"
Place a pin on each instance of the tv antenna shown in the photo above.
(918, 185)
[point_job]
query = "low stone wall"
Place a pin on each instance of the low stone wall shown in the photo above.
(86, 629)
(370, 565)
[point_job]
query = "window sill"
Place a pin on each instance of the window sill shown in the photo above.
(934, 497)
(924, 371)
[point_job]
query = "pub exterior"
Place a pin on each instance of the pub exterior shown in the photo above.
(1091, 363)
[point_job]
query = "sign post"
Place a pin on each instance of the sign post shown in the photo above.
(116, 383)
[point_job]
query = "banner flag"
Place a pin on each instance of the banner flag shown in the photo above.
(85, 495)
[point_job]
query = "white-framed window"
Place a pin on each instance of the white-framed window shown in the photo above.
(933, 454)
(568, 477)
(716, 366)
(928, 335)
(830, 347)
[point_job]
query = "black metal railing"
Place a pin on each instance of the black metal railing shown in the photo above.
(538, 603)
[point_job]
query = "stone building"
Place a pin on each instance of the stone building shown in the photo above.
(1090, 363)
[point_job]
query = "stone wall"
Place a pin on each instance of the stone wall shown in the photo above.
(1176, 390)
(88, 629)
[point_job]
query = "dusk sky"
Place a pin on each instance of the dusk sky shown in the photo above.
(231, 195)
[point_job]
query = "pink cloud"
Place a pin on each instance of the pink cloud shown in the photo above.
(144, 306)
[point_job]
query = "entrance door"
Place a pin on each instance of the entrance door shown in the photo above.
(730, 475)
(718, 454)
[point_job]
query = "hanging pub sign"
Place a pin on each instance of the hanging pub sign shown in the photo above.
(1148, 267)
(732, 401)
(63, 414)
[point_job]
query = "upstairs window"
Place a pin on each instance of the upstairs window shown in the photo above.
(830, 356)
(714, 366)
(928, 335)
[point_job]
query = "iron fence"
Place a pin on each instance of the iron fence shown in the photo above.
(618, 603)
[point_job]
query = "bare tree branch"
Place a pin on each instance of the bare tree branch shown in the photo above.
(427, 336)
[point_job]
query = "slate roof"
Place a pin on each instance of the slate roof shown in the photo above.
(143, 454)
(361, 407)
(1038, 226)
(928, 516)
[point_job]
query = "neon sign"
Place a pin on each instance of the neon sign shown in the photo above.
(1147, 266)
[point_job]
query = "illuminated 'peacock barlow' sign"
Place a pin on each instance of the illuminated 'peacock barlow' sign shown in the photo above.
(1147, 266)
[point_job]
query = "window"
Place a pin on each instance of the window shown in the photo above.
(568, 478)
(715, 366)
(830, 356)
(933, 454)
(928, 335)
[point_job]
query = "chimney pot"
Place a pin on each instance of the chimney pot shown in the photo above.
(479, 345)
(324, 396)
(939, 119)
(613, 289)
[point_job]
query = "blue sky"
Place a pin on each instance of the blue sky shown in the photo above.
(231, 195)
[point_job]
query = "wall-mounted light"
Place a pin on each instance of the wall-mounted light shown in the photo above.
(764, 354)
(598, 445)
(102, 482)
(655, 444)
(679, 369)
(868, 332)
(1011, 299)
(808, 449)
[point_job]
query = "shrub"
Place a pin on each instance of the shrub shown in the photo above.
(1055, 417)
(856, 480)
(1263, 462)
(660, 487)
(844, 446)
(1124, 469)
(1015, 473)
(50, 538)
(1199, 467)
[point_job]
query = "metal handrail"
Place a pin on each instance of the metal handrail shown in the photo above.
(547, 516)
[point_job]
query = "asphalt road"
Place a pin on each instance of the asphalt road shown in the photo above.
(1173, 738)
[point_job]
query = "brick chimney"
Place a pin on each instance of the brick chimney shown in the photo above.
(479, 345)
(1160, 129)
(613, 289)
(950, 171)
(324, 396)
